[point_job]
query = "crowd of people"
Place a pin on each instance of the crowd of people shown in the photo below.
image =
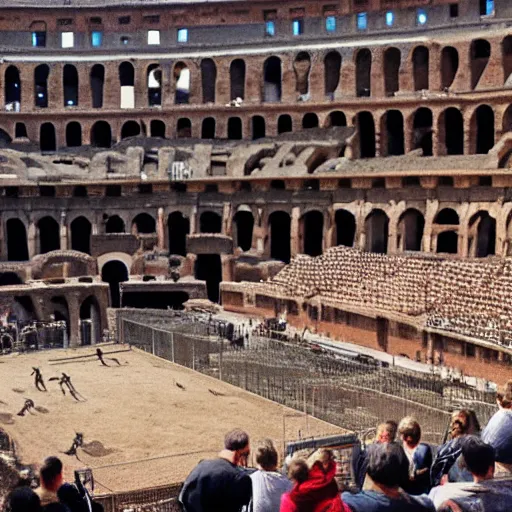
(471, 471)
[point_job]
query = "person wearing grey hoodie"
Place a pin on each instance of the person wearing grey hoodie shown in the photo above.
(268, 485)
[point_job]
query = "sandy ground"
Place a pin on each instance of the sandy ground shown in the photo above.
(140, 429)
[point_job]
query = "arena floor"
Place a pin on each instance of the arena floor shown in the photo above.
(140, 428)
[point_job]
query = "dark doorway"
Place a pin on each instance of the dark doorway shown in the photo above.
(49, 235)
(309, 120)
(332, 68)
(12, 89)
(210, 222)
(363, 72)
(157, 129)
(20, 131)
(420, 63)
(155, 300)
(178, 228)
(73, 134)
(114, 225)
(182, 81)
(449, 66)
(453, 127)
(392, 58)
(284, 124)
(90, 321)
(480, 53)
(366, 129)
(130, 129)
(47, 138)
(184, 128)
(41, 74)
(394, 131)
(422, 131)
(258, 127)
(17, 246)
(144, 224)
(81, 235)
(244, 221)
(376, 227)
(483, 124)
(447, 242)
(101, 135)
(97, 79)
(280, 224)
(447, 217)
(345, 228)
(208, 128)
(237, 79)
(313, 229)
(234, 128)
(113, 273)
(410, 229)
(208, 80)
(336, 118)
(482, 231)
(126, 74)
(209, 269)
(302, 67)
(9, 279)
(272, 80)
(70, 84)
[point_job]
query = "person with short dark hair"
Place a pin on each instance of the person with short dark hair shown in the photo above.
(22, 499)
(479, 459)
(220, 485)
(51, 479)
(388, 467)
(268, 485)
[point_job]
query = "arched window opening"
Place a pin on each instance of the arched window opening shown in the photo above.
(284, 124)
(507, 120)
(12, 89)
(363, 72)
(178, 228)
(447, 242)
(482, 125)
(272, 80)
(244, 221)
(184, 128)
(182, 83)
(452, 126)
(127, 84)
(366, 130)
(101, 135)
(80, 191)
(97, 79)
(154, 83)
(47, 138)
(41, 74)
(336, 118)
(48, 235)
(482, 235)
(210, 222)
(279, 225)
(73, 135)
(157, 128)
(130, 129)
(310, 120)
(237, 79)
(114, 224)
(422, 131)
(208, 128)
(17, 245)
(345, 228)
(302, 68)
(70, 83)
(376, 228)
(312, 231)
(393, 128)
(420, 63)
(20, 131)
(60, 310)
(234, 128)
(447, 217)
(208, 80)
(507, 60)
(449, 66)
(410, 230)
(480, 53)
(114, 272)
(258, 127)
(332, 70)
(392, 58)
(81, 235)
(9, 279)
(208, 267)
(143, 224)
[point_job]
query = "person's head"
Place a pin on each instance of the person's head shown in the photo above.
(410, 431)
(237, 442)
(266, 455)
(504, 396)
(388, 465)
(464, 421)
(386, 432)
(323, 456)
(51, 473)
(22, 499)
(478, 457)
(298, 470)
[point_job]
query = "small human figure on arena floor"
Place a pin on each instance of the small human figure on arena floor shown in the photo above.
(38, 379)
(78, 441)
(99, 353)
(29, 404)
(65, 380)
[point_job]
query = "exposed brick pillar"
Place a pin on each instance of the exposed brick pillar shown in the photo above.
(348, 75)
(141, 85)
(74, 320)
(55, 87)
(31, 239)
(223, 85)
(111, 86)
(254, 79)
(27, 88)
(84, 88)
(288, 80)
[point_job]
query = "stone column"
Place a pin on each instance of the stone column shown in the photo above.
(223, 83)
(193, 220)
(294, 231)
(32, 239)
(74, 320)
(288, 81)
(55, 88)
(160, 229)
(63, 232)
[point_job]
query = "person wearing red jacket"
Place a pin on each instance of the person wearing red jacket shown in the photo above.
(314, 490)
